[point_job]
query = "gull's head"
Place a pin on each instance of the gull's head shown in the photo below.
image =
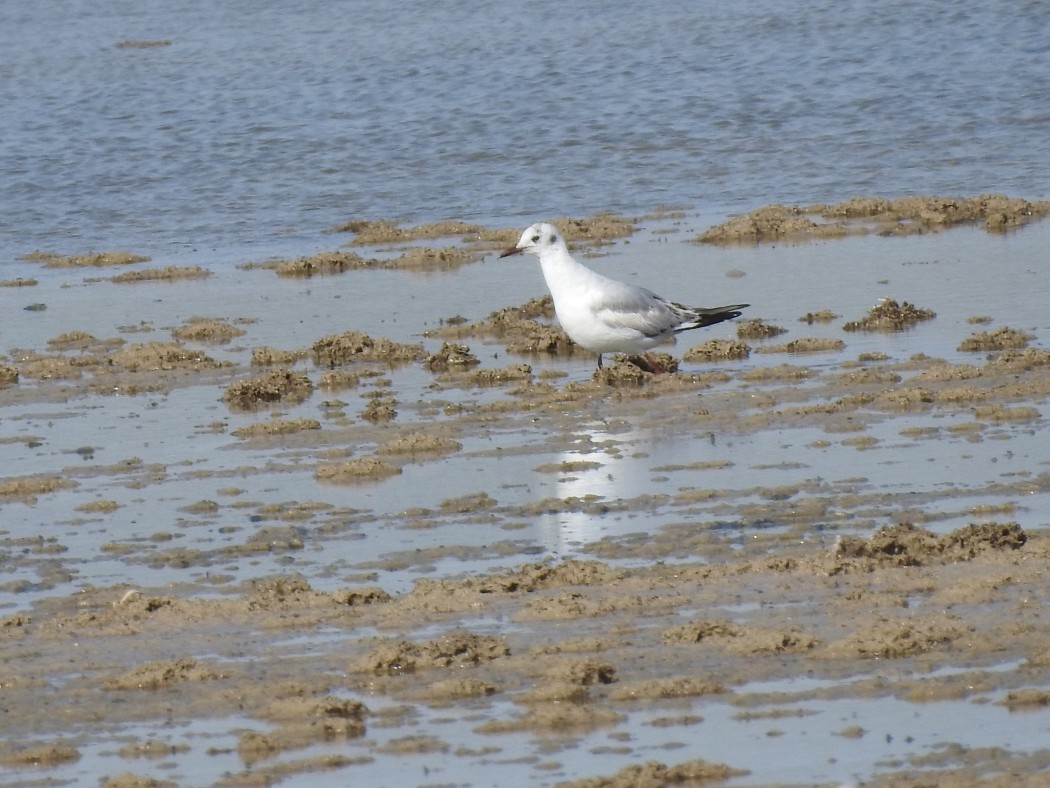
(536, 239)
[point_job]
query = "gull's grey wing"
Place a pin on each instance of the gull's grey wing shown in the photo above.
(636, 309)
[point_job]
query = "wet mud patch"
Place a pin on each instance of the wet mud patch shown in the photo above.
(266, 356)
(894, 639)
(301, 721)
(39, 755)
(888, 315)
(820, 316)
(277, 427)
(92, 260)
(905, 544)
(338, 349)
(655, 773)
(382, 231)
(1003, 338)
(155, 675)
(416, 258)
(518, 328)
(82, 340)
(488, 377)
(451, 356)
(595, 229)
(278, 385)
(168, 273)
(418, 444)
(756, 328)
(356, 469)
(208, 330)
(154, 356)
(714, 350)
(27, 488)
(863, 215)
(805, 345)
(454, 650)
(470, 243)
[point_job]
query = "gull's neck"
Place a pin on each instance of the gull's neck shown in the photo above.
(558, 265)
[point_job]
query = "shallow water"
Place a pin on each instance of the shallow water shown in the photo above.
(263, 123)
(895, 730)
(158, 453)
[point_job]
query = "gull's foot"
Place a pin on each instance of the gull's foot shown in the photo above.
(656, 363)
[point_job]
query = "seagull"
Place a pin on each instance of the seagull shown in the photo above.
(606, 316)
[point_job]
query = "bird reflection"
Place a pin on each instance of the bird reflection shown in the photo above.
(601, 468)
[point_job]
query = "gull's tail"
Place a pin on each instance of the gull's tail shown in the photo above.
(699, 316)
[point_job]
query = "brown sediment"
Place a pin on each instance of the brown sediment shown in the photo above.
(718, 350)
(271, 356)
(277, 427)
(155, 356)
(40, 755)
(29, 487)
(381, 231)
(336, 379)
(888, 315)
(415, 258)
(418, 443)
(274, 386)
(1002, 338)
(381, 406)
(167, 273)
(356, 469)
(595, 229)
(456, 649)
(155, 675)
(862, 215)
(98, 506)
(451, 356)
(821, 316)
(81, 340)
(320, 263)
(805, 345)
(756, 328)
(207, 330)
(93, 260)
(770, 223)
(656, 773)
(474, 242)
(143, 43)
(338, 349)
(421, 258)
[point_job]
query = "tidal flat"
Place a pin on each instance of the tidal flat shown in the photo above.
(369, 516)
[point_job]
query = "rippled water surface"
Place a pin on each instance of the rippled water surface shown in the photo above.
(222, 133)
(262, 123)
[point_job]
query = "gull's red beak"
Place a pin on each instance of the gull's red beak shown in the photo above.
(509, 251)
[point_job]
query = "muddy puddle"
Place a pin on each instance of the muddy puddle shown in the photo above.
(368, 517)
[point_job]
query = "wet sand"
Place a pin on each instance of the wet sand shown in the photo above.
(273, 544)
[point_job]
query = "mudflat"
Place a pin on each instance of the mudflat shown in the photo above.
(270, 544)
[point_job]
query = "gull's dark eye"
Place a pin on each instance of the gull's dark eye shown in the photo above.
(554, 239)
(535, 238)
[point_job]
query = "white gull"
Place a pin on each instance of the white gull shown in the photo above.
(606, 316)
